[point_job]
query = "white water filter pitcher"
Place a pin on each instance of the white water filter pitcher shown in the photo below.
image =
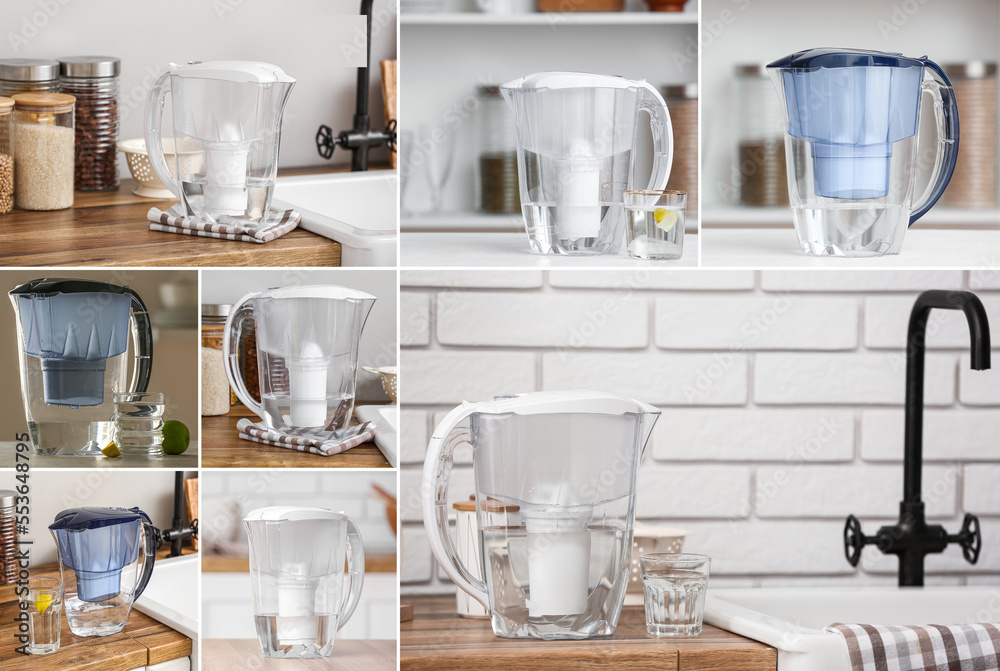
(307, 352)
(301, 593)
(576, 141)
(565, 464)
(229, 112)
(73, 342)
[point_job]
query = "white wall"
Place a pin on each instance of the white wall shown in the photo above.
(743, 31)
(378, 340)
(152, 491)
(781, 394)
(226, 603)
(312, 40)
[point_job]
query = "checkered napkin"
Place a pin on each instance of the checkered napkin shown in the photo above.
(274, 225)
(299, 439)
(970, 647)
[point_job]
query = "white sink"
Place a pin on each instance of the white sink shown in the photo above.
(357, 209)
(386, 418)
(792, 619)
(171, 597)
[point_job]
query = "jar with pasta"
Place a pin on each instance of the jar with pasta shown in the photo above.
(43, 150)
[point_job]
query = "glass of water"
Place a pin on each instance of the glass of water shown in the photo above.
(673, 589)
(45, 599)
(139, 423)
(654, 224)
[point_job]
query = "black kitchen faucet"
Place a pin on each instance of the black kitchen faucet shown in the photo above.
(361, 138)
(911, 539)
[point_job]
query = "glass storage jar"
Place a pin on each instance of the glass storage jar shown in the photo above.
(8, 538)
(759, 160)
(94, 80)
(6, 157)
(216, 395)
(974, 183)
(682, 102)
(28, 75)
(43, 150)
(496, 151)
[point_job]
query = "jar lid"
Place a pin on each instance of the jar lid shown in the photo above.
(216, 310)
(44, 99)
(750, 69)
(5, 103)
(7, 498)
(90, 66)
(488, 90)
(971, 69)
(687, 91)
(28, 69)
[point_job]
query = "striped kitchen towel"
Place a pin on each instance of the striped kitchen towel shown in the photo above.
(299, 439)
(933, 647)
(272, 226)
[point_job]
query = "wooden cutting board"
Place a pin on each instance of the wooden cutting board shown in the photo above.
(191, 494)
(389, 98)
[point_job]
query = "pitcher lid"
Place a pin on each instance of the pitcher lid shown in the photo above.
(569, 80)
(316, 291)
(92, 517)
(292, 514)
(50, 286)
(559, 402)
(814, 59)
(244, 72)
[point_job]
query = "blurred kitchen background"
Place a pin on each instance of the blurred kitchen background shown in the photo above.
(378, 339)
(171, 297)
(743, 165)
(457, 139)
(320, 43)
(227, 608)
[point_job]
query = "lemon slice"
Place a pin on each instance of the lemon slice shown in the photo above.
(665, 219)
(111, 450)
(43, 602)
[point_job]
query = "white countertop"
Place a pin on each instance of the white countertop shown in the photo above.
(922, 248)
(499, 250)
(180, 462)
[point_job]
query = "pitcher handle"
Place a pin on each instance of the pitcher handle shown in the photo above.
(434, 491)
(651, 102)
(154, 132)
(937, 84)
(142, 342)
(231, 352)
(148, 549)
(355, 573)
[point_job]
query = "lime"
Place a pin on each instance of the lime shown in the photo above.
(111, 450)
(665, 219)
(43, 602)
(176, 437)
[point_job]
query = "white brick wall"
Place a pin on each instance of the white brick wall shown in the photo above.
(781, 391)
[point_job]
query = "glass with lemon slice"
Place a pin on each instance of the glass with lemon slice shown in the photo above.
(45, 599)
(655, 223)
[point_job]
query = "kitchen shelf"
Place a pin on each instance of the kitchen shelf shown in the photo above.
(551, 19)
(757, 216)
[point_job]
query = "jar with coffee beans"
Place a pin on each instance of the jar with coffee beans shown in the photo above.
(94, 80)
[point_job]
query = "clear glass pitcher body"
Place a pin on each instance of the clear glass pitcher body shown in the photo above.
(230, 113)
(851, 146)
(301, 594)
(555, 492)
(576, 136)
(307, 352)
(73, 356)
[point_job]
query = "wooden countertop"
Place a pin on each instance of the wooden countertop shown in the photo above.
(375, 562)
(437, 639)
(221, 447)
(143, 642)
(109, 229)
(219, 654)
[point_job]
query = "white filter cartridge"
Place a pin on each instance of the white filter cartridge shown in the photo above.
(297, 623)
(307, 387)
(579, 201)
(558, 567)
(226, 180)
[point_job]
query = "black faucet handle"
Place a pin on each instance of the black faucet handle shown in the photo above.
(326, 141)
(854, 540)
(390, 135)
(970, 538)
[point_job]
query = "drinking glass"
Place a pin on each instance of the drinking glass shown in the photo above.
(45, 599)
(654, 223)
(139, 423)
(673, 590)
